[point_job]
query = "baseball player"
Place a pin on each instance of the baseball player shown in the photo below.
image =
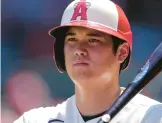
(93, 45)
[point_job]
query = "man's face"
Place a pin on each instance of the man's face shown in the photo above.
(89, 55)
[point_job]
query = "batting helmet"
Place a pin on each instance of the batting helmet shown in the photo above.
(101, 15)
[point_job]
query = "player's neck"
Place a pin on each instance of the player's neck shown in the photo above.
(92, 102)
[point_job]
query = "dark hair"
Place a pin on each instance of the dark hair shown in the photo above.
(116, 43)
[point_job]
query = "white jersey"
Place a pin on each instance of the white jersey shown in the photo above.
(67, 112)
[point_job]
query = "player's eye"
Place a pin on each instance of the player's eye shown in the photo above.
(92, 40)
(71, 39)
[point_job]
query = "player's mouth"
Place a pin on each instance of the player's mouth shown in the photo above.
(80, 63)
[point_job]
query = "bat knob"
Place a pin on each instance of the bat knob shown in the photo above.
(106, 118)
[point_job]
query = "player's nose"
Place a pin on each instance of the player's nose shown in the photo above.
(80, 51)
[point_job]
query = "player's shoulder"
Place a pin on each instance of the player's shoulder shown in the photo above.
(153, 115)
(44, 114)
(143, 100)
(141, 104)
(137, 108)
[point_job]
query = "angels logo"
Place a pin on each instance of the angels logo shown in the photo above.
(80, 10)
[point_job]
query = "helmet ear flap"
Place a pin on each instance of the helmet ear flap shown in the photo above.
(60, 34)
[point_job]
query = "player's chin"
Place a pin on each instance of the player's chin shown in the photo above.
(81, 72)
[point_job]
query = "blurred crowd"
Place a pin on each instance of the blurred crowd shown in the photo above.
(29, 78)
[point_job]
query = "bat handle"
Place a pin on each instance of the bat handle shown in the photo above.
(119, 104)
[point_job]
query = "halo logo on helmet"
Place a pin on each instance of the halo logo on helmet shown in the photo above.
(80, 10)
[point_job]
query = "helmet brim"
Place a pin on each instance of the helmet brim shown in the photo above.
(95, 26)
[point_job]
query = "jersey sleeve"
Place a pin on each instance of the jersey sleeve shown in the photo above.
(153, 115)
(23, 119)
(40, 115)
(20, 120)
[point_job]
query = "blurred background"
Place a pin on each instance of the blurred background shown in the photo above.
(29, 76)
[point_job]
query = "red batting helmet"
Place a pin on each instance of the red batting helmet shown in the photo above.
(101, 15)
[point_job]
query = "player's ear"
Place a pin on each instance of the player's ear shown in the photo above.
(122, 52)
